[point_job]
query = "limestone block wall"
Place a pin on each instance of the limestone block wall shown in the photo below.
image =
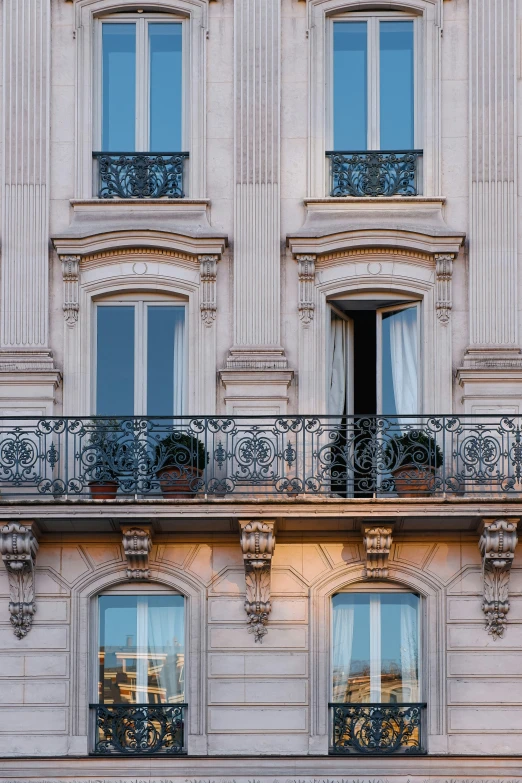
(245, 697)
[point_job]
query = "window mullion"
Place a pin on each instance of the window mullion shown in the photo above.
(142, 75)
(142, 649)
(373, 84)
(375, 649)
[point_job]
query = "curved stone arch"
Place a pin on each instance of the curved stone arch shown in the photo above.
(196, 13)
(139, 270)
(431, 13)
(433, 646)
(83, 638)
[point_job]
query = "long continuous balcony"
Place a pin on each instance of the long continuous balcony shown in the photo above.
(375, 173)
(140, 174)
(285, 457)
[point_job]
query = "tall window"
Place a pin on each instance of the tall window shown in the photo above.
(139, 358)
(141, 649)
(375, 648)
(141, 84)
(373, 83)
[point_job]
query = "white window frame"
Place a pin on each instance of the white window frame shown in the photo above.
(142, 119)
(393, 309)
(385, 587)
(144, 591)
(194, 13)
(141, 304)
(372, 20)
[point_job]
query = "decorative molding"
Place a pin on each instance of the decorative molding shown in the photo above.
(18, 547)
(306, 273)
(257, 544)
(71, 278)
(137, 543)
(208, 276)
(497, 546)
(443, 272)
(377, 542)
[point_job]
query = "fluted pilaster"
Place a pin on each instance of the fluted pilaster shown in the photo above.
(24, 289)
(493, 232)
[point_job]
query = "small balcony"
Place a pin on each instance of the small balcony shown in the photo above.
(375, 173)
(377, 729)
(283, 457)
(140, 174)
(139, 729)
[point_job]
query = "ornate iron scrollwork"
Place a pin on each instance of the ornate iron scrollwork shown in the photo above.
(134, 729)
(379, 729)
(140, 174)
(374, 173)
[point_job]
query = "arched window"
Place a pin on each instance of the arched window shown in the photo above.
(376, 677)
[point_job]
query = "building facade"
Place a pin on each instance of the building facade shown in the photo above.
(260, 386)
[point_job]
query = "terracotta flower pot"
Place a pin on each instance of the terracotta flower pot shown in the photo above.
(179, 482)
(413, 480)
(103, 490)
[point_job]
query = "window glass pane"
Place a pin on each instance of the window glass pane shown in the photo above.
(375, 647)
(119, 87)
(165, 334)
(115, 361)
(142, 649)
(396, 85)
(399, 371)
(165, 87)
(350, 86)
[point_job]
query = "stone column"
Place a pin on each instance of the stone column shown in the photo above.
(493, 223)
(24, 287)
(257, 343)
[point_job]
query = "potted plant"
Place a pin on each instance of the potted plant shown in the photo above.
(180, 461)
(413, 458)
(100, 455)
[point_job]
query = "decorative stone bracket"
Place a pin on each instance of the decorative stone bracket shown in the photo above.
(137, 543)
(306, 273)
(443, 272)
(377, 543)
(208, 276)
(497, 546)
(257, 544)
(71, 278)
(18, 547)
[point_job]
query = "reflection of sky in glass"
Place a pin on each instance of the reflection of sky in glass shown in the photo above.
(164, 354)
(395, 662)
(115, 361)
(165, 87)
(396, 89)
(119, 87)
(350, 86)
(142, 645)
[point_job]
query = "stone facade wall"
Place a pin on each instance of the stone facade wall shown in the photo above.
(270, 697)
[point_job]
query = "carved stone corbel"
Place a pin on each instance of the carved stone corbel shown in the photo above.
(71, 278)
(306, 273)
(497, 546)
(137, 543)
(377, 542)
(443, 272)
(257, 544)
(18, 547)
(208, 276)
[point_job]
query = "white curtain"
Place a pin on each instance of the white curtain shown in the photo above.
(179, 360)
(337, 367)
(410, 683)
(404, 362)
(343, 617)
(166, 652)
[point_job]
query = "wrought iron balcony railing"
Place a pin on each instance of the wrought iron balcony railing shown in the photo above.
(378, 729)
(140, 174)
(375, 173)
(284, 456)
(134, 729)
